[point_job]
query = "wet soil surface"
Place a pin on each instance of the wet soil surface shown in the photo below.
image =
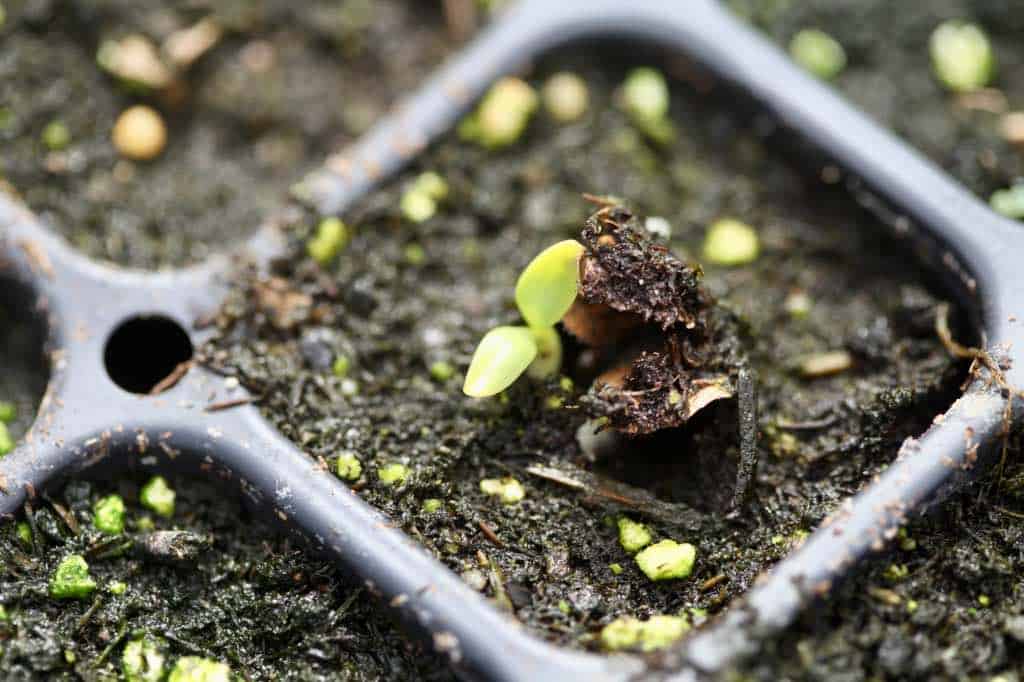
(889, 75)
(284, 86)
(404, 296)
(251, 598)
(946, 603)
(394, 313)
(23, 379)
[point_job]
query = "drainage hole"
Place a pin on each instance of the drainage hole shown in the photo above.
(144, 350)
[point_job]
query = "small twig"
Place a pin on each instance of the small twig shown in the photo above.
(807, 424)
(712, 583)
(87, 616)
(171, 379)
(1016, 515)
(983, 357)
(460, 17)
(747, 396)
(228, 404)
(618, 495)
(490, 534)
(69, 519)
(121, 632)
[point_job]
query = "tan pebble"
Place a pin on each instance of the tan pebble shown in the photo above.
(140, 133)
(1013, 127)
(826, 364)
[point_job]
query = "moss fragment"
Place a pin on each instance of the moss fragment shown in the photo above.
(24, 533)
(417, 207)
(158, 497)
(626, 632)
(8, 411)
(818, 53)
(108, 515)
(332, 235)
(616, 569)
(503, 114)
(442, 371)
(667, 560)
(6, 442)
(565, 97)
(730, 243)
(392, 474)
(962, 56)
(633, 536)
(195, 669)
(56, 136)
(1009, 202)
(348, 467)
(71, 580)
(508, 489)
(341, 366)
(432, 504)
(143, 660)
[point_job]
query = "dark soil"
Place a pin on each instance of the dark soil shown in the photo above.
(889, 75)
(241, 129)
(945, 604)
(394, 315)
(24, 374)
(254, 599)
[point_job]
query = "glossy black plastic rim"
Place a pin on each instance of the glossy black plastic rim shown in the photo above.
(84, 418)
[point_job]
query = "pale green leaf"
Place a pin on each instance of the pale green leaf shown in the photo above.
(546, 289)
(502, 356)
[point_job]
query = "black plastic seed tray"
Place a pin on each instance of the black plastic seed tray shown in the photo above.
(86, 419)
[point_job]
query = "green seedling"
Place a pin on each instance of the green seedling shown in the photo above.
(143, 660)
(432, 504)
(730, 243)
(502, 356)
(196, 669)
(108, 515)
(667, 560)
(544, 293)
(547, 287)
(818, 53)
(962, 56)
(8, 412)
(71, 580)
(158, 497)
(332, 235)
(117, 588)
